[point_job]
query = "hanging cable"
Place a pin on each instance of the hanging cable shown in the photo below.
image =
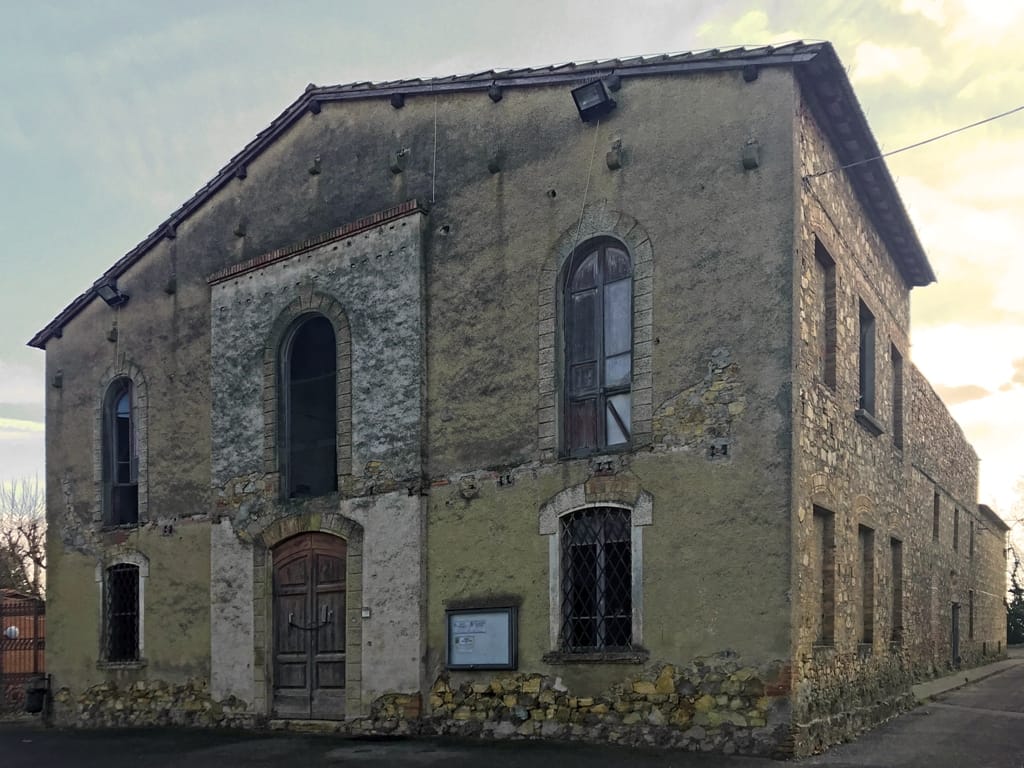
(586, 188)
(916, 144)
(433, 159)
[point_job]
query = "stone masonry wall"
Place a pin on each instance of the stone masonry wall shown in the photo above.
(872, 589)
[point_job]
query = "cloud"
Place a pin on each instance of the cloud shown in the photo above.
(21, 384)
(1018, 373)
(16, 428)
(956, 395)
(872, 62)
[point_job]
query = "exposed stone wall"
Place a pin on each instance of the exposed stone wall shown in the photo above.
(149, 703)
(890, 605)
(839, 694)
(712, 704)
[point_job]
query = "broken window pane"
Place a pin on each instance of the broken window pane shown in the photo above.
(617, 417)
(598, 337)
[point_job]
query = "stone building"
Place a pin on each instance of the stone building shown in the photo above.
(456, 406)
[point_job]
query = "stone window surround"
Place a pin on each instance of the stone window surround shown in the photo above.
(276, 531)
(122, 369)
(141, 562)
(641, 509)
(596, 222)
(309, 302)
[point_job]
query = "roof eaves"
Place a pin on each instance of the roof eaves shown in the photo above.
(313, 96)
(830, 95)
(989, 513)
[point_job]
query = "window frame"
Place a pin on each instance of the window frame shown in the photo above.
(285, 438)
(602, 392)
(140, 563)
(572, 559)
(117, 390)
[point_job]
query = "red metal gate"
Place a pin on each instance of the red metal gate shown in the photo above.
(22, 645)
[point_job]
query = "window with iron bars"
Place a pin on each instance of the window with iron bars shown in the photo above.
(121, 635)
(596, 580)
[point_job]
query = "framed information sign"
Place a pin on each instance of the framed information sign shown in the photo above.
(484, 638)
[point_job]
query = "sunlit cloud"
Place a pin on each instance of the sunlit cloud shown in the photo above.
(16, 428)
(962, 394)
(872, 62)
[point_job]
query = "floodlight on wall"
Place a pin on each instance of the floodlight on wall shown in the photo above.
(11, 633)
(592, 100)
(107, 290)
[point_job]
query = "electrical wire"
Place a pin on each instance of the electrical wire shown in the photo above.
(916, 144)
(586, 188)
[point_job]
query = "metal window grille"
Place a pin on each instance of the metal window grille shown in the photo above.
(121, 639)
(597, 585)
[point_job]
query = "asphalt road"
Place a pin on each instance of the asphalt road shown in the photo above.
(978, 726)
(27, 747)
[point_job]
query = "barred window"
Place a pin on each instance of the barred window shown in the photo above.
(121, 613)
(596, 580)
(120, 455)
(598, 311)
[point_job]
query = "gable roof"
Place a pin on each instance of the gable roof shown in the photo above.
(822, 77)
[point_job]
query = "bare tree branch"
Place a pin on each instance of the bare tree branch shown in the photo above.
(23, 535)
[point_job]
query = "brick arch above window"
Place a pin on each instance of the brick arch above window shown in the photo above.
(123, 368)
(309, 303)
(597, 222)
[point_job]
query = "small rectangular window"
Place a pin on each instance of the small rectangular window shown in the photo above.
(971, 541)
(825, 283)
(896, 547)
(121, 635)
(956, 529)
(597, 608)
(936, 512)
(866, 538)
(866, 360)
(897, 397)
(970, 614)
(825, 552)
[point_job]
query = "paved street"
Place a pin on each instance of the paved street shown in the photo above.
(978, 726)
(23, 747)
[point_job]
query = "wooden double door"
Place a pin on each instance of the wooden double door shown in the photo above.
(309, 627)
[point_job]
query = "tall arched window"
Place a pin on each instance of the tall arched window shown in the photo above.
(598, 335)
(120, 455)
(309, 451)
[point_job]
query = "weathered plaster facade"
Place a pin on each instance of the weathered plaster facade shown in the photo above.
(746, 456)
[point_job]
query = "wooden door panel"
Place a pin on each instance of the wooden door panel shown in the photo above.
(309, 627)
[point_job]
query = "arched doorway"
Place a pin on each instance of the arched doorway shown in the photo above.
(309, 627)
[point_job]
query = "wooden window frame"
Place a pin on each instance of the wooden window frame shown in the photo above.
(601, 393)
(111, 445)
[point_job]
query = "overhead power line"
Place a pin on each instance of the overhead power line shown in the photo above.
(916, 144)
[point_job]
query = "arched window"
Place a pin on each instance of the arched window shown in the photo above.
(596, 580)
(309, 450)
(598, 335)
(120, 455)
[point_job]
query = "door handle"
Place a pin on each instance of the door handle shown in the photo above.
(326, 615)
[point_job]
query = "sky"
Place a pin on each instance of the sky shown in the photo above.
(112, 114)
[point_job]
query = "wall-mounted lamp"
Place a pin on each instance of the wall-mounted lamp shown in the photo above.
(592, 100)
(107, 290)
